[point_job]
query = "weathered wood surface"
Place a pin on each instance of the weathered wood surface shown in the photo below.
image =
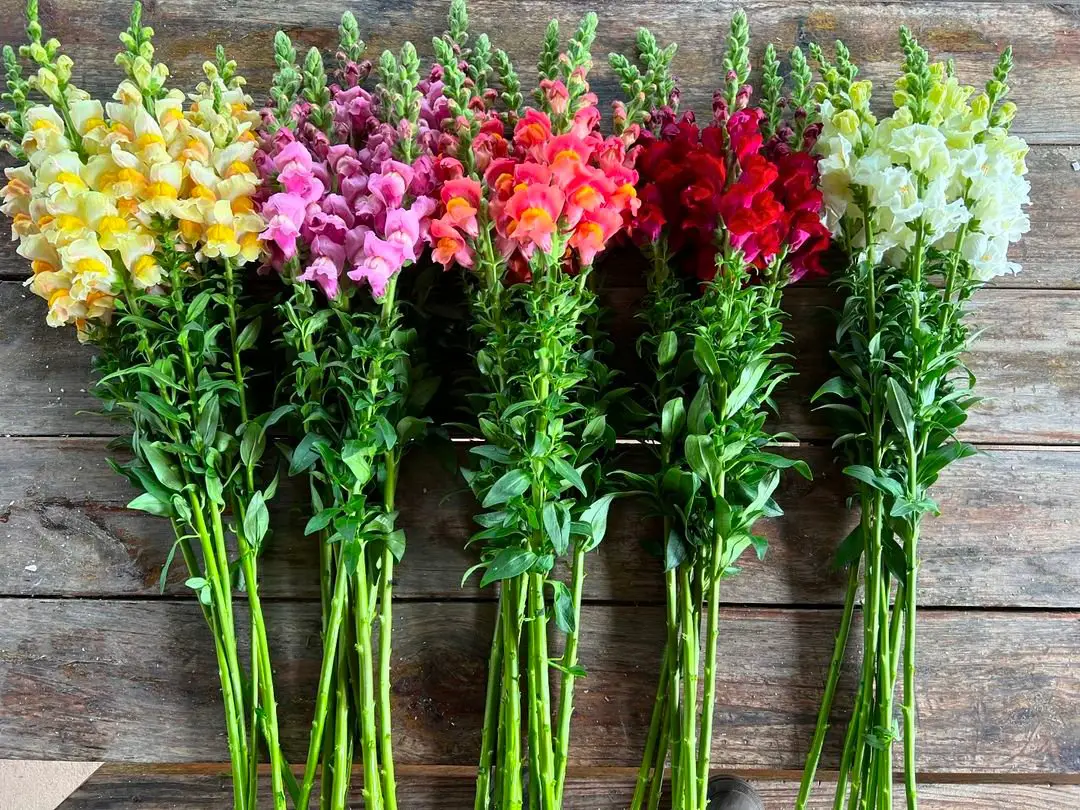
(128, 681)
(1027, 361)
(1007, 536)
(1044, 36)
(120, 787)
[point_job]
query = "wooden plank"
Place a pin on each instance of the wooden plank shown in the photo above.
(1025, 359)
(1007, 536)
(1044, 37)
(998, 692)
(117, 787)
(1048, 253)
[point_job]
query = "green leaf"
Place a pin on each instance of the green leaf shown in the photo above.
(702, 458)
(511, 485)
(249, 335)
(490, 451)
(195, 583)
(595, 430)
(410, 428)
(166, 472)
(672, 418)
(387, 434)
(900, 408)
(745, 388)
(508, 563)
(675, 551)
(395, 542)
(850, 549)
(665, 352)
(149, 503)
(163, 578)
(214, 488)
(563, 601)
(256, 521)
(356, 455)
(319, 521)
(879, 482)
(705, 356)
(305, 454)
(761, 545)
(252, 443)
(277, 414)
(557, 527)
(700, 413)
(564, 468)
(596, 515)
(837, 387)
(781, 463)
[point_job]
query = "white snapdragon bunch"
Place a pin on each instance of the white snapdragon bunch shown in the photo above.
(926, 204)
(943, 172)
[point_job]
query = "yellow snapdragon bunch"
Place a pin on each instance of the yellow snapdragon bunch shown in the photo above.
(136, 215)
(103, 186)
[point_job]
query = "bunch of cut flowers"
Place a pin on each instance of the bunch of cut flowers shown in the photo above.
(925, 204)
(351, 188)
(137, 218)
(526, 216)
(730, 215)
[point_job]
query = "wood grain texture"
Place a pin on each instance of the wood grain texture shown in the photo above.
(127, 787)
(998, 692)
(1044, 36)
(1007, 536)
(1027, 361)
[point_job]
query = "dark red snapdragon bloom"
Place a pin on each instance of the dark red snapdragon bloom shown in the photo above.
(702, 187)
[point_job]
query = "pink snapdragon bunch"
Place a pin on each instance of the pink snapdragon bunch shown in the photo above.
(355, 192)
(351, 185)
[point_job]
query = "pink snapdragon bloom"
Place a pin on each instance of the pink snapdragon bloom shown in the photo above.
(391, 183)
(284, 214)
(378, 262)
(296, 172)
(325, 272)
(402, 228)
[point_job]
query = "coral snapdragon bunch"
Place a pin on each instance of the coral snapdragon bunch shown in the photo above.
(353, 185)
(137, 216)
(526, 216)
(925, 204)
(730, 214)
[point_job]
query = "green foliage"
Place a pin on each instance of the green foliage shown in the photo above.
(315, 89)
(736, 57)
(357, 396)
(287, 81)
(399, 79)
(646, 92)
(541, 418)
(352, 47)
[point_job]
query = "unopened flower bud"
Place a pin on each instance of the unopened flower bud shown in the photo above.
(1007, 112)
(980, 105)
(846, 121)
(46, 82)
(742, 98)
(38, 52)
(860, 94)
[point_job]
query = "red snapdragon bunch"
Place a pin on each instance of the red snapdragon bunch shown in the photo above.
(730, 214)
(526, 216)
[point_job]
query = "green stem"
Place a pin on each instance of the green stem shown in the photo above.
(489, 735)
(910, 549)
(831, 681)
(689, 631)
(647, 770)
(326, 676)
(708, 704)
(342, 759)
(511, 732)
(362, 607)
(566, 688)
(538, 655)
(675, 707)
(386, 750)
